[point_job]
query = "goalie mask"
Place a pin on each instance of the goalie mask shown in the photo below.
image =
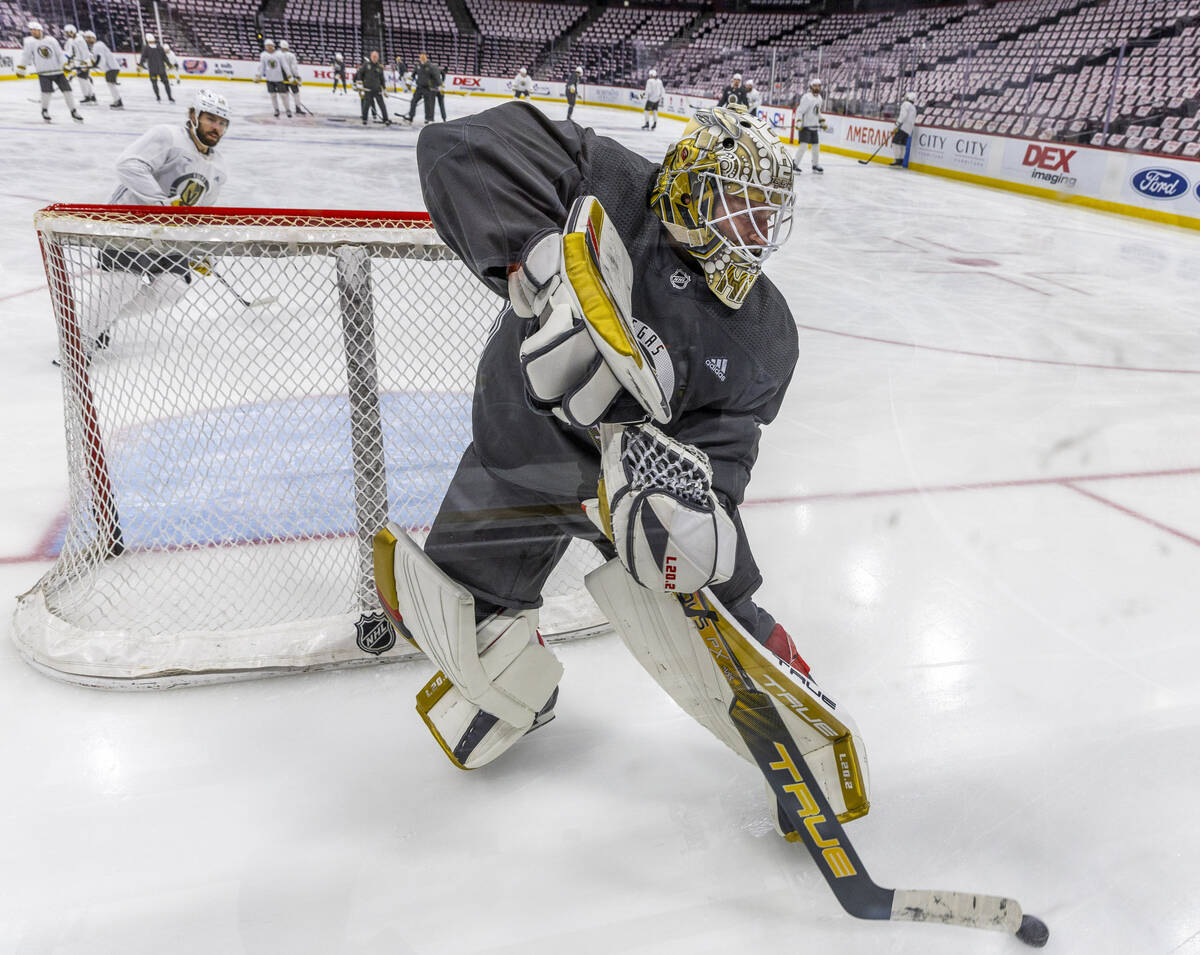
(725, 193)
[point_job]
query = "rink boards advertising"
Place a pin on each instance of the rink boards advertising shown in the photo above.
(1161, 188)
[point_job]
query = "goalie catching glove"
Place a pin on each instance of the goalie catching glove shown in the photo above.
(657, 506)
(588, 349)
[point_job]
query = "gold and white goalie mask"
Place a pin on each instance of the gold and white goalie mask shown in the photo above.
(725, 193)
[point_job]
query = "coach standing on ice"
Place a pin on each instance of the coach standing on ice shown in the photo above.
(48, 60)
(370, 77)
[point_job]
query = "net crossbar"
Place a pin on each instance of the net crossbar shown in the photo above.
(248, 396)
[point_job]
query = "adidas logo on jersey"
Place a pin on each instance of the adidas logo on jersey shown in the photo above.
(718, 366)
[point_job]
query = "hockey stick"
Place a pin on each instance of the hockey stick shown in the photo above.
(264, 300)
(803, 803)
(863, 162)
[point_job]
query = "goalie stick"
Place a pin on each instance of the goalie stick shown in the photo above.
(807, 810)
(803, 804)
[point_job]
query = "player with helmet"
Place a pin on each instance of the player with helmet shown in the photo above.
(654, 95)
(339, 72)
(809, 123)
(103, 58)
(292, 69)
(734, 94)
(637, 393)
(522, 84)
(906, 122)
(168, 165)
(48, 60)
(753, 98)
(155, 60)
(273, 67)
(79, 58)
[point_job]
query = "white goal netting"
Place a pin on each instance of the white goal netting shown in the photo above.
(249, 395)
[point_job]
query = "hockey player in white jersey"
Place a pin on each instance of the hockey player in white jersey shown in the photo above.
(809, 123)
(292, 69)
(79, 58)
(273, 68)
(654, 95)
(43, 53)
(905, 124)
(753, 98)
(103, 60)
(522, 84)
(168, 165)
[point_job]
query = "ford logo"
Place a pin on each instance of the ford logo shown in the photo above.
(1159, 183)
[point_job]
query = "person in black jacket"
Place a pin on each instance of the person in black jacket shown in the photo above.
(154, 60)
(370, 77)
(428, 79)
(440, 90)
(573, 82)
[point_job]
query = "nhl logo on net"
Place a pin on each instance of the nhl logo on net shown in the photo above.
(373, 635)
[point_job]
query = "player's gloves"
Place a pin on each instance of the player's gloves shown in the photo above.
(20, 71)
(590, 359)
(657, 505)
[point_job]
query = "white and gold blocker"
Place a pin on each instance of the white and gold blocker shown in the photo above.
(725, 193)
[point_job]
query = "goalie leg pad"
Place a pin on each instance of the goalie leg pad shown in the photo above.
(470, 736)
(681, 640)
(500, 666)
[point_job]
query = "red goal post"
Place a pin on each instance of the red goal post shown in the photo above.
(248, 395)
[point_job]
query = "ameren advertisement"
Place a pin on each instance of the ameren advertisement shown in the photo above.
(1154, 187)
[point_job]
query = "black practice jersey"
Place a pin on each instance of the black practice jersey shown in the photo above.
(497, 181)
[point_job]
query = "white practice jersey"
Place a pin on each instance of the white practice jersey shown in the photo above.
(907, 118)
(103, 57)
(77, 51)
(44, 55)
(808, 113)
(291, 65)
(524, 83)
(754, 101)
(164, 167)
(169, 55)
(654, 90)
(271, 67)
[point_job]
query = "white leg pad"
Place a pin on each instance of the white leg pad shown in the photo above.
(680, 651)
(502, 667)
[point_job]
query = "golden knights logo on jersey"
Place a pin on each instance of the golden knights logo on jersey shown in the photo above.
(44, 52)
(189, 190)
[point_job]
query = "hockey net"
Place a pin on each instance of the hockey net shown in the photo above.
(249, 395)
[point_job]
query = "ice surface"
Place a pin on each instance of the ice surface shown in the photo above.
(978, 514)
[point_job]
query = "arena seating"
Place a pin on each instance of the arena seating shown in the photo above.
(1121, 73)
